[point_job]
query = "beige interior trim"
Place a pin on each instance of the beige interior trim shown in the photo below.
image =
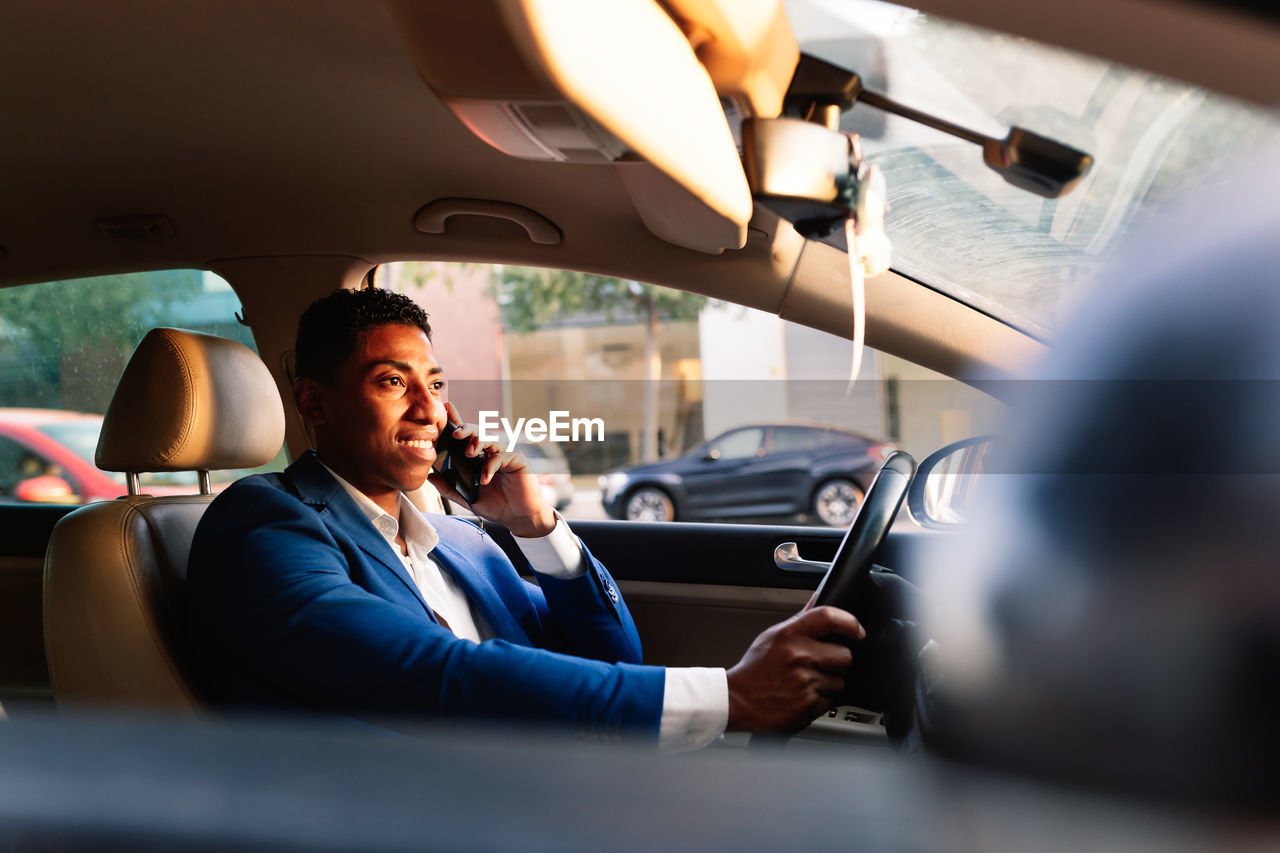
(667, 208)
(703, 624)
(777, 271)
(906, 319)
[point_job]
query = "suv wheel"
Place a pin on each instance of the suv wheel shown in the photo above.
(649, 504)
(836, 502)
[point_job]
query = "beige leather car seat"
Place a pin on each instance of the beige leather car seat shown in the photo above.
(114, 569)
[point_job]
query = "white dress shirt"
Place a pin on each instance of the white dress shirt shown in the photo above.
(695, 700)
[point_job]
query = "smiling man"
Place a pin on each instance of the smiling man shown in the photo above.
(323, 588)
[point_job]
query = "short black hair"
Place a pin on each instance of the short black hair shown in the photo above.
(330, 328)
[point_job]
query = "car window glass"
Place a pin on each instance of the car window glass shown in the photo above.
(659, 374)
(63, 345)
(957, 224)
(792, 439)
(738, 444)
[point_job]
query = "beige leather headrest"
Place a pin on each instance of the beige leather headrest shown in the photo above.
(188, 401)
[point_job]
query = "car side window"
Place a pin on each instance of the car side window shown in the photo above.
(738, 444)
(792, 439)
(63, 345)
(633, 384)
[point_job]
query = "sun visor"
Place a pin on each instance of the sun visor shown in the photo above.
(747, 46)
(584, 81)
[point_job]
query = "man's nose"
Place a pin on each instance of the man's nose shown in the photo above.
(427, 406)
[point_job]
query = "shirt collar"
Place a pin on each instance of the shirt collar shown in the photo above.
(416, 527)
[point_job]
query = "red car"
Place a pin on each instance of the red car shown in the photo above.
(46, 456)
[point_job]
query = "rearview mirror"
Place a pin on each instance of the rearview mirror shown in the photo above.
(711, 455)
(946, 482)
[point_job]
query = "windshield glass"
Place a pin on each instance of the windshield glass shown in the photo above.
(955, 224)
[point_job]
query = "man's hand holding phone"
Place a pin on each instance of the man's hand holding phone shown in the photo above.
(509, 493)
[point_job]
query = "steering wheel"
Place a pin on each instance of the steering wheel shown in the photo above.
(845, 583)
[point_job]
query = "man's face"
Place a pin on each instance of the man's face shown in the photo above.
(377, 423)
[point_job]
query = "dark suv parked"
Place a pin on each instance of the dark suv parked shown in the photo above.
(756, 470)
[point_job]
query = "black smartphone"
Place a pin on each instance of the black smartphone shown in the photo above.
(462, 471)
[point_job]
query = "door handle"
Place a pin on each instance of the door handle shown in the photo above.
(787, 557)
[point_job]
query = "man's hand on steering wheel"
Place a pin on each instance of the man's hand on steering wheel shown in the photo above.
(792, 672)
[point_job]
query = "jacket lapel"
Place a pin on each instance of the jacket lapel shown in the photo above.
(479, 591)
(316, 488)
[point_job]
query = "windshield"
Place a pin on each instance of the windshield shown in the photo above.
(955, 224)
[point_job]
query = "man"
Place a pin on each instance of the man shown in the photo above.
(324, 588)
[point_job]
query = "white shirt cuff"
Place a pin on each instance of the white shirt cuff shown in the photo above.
(695, 708)
(557, 555)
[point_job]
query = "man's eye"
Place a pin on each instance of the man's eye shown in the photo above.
(438, 385)
(394, 381)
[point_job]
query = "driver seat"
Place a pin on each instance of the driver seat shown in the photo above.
(114, 570)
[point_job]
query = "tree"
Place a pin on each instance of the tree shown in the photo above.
(81, 333)
(531, 297)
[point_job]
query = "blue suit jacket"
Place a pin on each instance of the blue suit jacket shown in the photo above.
(293, 599)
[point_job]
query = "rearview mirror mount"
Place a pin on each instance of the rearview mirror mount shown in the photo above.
(820, 91)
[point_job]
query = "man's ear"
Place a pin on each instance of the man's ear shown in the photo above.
(308, 396)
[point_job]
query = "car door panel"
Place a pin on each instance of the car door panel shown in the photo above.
(699, 593)
(704, 624)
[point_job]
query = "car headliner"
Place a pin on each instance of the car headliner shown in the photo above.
(290, 143)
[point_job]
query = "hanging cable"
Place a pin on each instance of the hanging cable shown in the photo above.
(857, 282)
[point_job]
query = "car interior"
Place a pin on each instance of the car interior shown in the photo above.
(292, 147)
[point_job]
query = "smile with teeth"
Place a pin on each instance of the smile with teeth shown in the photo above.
(416, 442)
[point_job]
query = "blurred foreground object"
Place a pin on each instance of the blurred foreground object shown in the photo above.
(89, 782)
(1114, 619)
